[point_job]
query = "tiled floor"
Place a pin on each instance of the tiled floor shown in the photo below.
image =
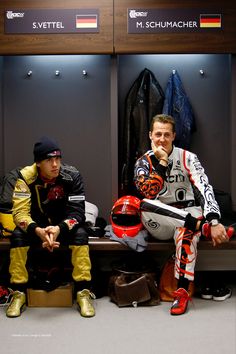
(208, 327)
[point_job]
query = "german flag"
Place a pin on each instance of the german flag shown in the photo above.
(210, 21)
(86, 21)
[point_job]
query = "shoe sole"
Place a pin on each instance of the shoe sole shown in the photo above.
(177, 314)
(82, 315)
(180, 313)
(22, 309)
(206, 297)
(222, 298)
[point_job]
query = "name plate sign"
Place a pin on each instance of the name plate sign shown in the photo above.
(158, 20)
(23, 21)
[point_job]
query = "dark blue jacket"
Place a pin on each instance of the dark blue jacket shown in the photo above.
(178, 106)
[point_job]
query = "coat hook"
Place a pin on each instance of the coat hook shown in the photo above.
(29, 73)
(84, 72)
(201, 72)
(57, 72)
(173, 71)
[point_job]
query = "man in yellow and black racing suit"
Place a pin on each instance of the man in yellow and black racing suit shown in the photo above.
(49, 209)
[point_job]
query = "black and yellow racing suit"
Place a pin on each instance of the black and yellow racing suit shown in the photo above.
(40, 203)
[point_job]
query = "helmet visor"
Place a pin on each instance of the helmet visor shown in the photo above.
(126, 219)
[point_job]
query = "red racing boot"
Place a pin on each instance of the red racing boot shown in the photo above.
(180, 304)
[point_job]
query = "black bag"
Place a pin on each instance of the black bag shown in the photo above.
(228, 216)
(133, 288)
(6, 192)
(7, 187)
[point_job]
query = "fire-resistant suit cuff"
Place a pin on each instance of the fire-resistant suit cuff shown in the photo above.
(161, 170)
(31, 228)
(212, 216)
(63, 228)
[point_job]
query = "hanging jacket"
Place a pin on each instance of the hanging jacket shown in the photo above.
(7, 187)
(144, 100)
(178, 106)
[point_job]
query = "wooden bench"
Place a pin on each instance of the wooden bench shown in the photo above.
(104, 244)
(104, 252)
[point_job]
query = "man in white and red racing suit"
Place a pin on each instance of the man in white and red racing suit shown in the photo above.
(179, 202)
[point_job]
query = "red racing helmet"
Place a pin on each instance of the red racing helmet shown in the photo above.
(125, 216)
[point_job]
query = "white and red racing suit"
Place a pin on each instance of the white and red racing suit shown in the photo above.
(173, 195)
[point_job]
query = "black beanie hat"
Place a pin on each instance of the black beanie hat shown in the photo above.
(46, 148)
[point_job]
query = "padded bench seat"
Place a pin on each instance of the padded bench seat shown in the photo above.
(104, 244)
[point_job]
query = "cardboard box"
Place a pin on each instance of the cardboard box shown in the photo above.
(60, 297)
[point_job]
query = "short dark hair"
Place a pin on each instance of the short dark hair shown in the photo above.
(163, 118)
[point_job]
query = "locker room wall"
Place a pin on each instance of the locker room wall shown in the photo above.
(81, 112)
(1, 120)
(210, 97)
(233, 130)
(59, 43)
(72, 107)
(205, 42)
(113, 36)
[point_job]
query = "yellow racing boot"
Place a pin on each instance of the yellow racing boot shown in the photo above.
(17, 304)
(85, 304)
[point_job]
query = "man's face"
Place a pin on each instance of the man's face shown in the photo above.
(50, 168)
(163, 135)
